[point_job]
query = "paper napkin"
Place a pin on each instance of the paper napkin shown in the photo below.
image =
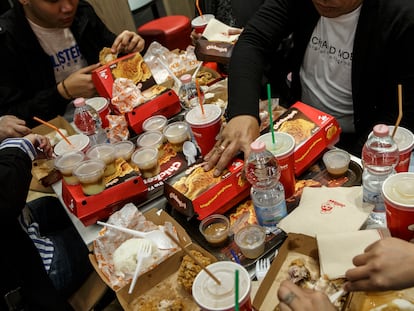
(327, 210)
(218, 31)
(336, 250)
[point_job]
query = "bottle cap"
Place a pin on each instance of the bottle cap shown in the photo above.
(186, 78)
(258, 146)
(381, 130)
(79, 102)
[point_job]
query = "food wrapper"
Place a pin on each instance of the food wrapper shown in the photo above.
(110, 239)
(126, 95)
(179, 63)
(117, 129)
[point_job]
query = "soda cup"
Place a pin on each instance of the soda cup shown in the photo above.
(405, 141)
(283, 150)
(199, 23)
(101, 105)
(210, 296)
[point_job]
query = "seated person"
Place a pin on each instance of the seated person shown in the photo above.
(51, 48)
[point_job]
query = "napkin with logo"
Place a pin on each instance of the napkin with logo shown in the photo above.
(336, 250)
(327, 210)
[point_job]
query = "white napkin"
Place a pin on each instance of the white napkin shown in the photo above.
(336, 250)
(327, 210)
(218, 31)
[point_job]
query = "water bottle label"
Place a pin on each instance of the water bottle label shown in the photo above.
(374, 198)
(270, 216)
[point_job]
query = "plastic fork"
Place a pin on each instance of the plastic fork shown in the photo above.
(262, 266)
(143, 251)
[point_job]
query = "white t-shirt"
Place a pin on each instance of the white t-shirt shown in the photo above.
(61, 46)
(326, 69)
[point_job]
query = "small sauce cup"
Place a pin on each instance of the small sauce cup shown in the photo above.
(66, 164)
(91, 176)
(147, 161)
(336, 162)
(215, 229)
(177, 133)
(106, 153)
(155, 123)
(251, 240)
(124, 150)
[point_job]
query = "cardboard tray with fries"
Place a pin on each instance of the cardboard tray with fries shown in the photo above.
(313, 131)
(43, 171)
(195, 192)
(159, 283)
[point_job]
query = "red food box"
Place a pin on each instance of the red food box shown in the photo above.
(195, 192)
(313, 131)
(131, 66)
(90, 209)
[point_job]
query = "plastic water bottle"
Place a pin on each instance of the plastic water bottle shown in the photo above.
(88, 121)
(267, 193)
(188, 92)
(380, 155)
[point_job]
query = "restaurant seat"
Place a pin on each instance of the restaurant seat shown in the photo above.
(171, 32)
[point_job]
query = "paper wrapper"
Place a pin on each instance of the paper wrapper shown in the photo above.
(126, 95)
(327, 210)
(117, 129)
(110, 239)
(337, 250)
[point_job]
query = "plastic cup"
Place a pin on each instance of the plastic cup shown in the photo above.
(336, 162)
(177, 133)
(251, 240)
(405, 141)
(205, 127)
(215, 229)
(80, 142)
(199, 23)
(105, 153)
(124, 150)
(284, 153)
(398, 193)
(155, 123)
(66, 163)
(101, 105)
(91, 176)
(154, 139)
(210, 296)
(147, 161)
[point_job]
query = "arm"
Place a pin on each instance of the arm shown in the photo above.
(385, 265)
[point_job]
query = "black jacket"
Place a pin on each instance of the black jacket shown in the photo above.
(27, 81)
(21, 264)
(382, 58)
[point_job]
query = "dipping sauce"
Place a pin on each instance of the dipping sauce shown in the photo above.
(336, 162)
(251, 241)
(215, 229)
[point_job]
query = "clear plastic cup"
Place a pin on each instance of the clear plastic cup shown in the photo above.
(215, 229)
(251, 240)
(66, 163)
(336, 162)
(79, 142)
(154, 139)
(124, 150)
(211, 296)
(91, 176)
(147, 161)
(177, 133)
(155, 123)
(105, 153)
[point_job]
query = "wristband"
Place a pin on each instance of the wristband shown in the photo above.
(66, 90)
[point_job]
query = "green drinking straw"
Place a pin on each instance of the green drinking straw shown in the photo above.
(236, 294)
(269, 101)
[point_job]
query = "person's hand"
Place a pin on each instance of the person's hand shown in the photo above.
(41, 143)
(195, 36)
(128, 42)
(292, 297)
(236, 136)
(386, 264)
(79, 83)
(11, 126)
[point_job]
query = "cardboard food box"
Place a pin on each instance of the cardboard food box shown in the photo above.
(161, 282)
(295, 246)
(313, 131)
(43, 171)
(131, 66)
(214, 51)
(91, 208)
(195, 192)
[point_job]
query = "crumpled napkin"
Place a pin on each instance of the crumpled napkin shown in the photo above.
(126, 95)
(327, 210)
(336, 250)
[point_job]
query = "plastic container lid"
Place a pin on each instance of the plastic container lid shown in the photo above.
(155, 123)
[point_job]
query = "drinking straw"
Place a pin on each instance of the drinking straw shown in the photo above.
(192, 257)
(269, 101)
(400, 112)
(236, 294)
(198, 8)
(54, 128)
(200, 101)
(235, 257)
(194, 76)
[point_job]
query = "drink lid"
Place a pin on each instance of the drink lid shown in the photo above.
(98, 103)
(80, 142)
(399, 189)
(284, 143)
(403, 138)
